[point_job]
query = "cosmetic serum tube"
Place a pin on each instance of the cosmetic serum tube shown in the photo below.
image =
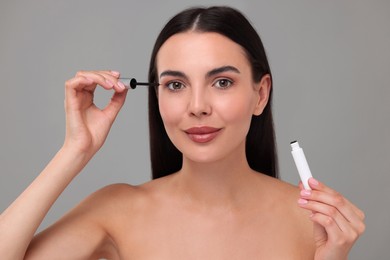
(301, 163)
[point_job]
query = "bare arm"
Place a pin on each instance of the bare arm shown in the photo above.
(83, 233)
(19, 222)
(86, 130)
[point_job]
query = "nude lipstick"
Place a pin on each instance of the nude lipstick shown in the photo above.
(202, 134)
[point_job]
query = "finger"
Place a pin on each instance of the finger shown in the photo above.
(79, 82)
(300, 185)
(115, 73)
(317, 185)
(333, 232)
(338, 202)
(105, 80)
(112, 77)
(72, 86)
(320, 234)
(332, 197)
(351, 229)
(329, 211)
(115, 104)
(335, 237)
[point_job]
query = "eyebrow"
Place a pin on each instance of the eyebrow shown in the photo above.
(175, 73)
(220, 70)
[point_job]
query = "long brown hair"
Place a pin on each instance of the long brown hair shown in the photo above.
(260, 141)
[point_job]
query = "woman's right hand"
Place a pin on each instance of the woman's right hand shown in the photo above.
(87, 126)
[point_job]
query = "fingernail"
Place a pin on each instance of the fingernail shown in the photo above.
(313, 181)
(302, 201)
(305, 192)
(115, 73)
(121, 85)
(109, 83)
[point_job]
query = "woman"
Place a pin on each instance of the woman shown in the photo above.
(215, 193)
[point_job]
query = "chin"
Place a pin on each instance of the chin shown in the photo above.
(206, 156)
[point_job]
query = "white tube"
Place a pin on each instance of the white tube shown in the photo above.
(301, 163)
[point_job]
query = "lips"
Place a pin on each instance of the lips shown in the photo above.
(202, 134)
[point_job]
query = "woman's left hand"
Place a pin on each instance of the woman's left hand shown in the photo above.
(337, 222)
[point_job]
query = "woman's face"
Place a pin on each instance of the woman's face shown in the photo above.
(206, 95)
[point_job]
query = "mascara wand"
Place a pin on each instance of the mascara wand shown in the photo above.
(133, 83)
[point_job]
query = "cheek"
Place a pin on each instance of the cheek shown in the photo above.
(237, 110)
(171, 110)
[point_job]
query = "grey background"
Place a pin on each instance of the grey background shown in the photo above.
(330, 61)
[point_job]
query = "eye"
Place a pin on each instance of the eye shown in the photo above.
(223, 83)
(174, 85)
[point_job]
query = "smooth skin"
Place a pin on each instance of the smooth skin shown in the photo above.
(215, 207)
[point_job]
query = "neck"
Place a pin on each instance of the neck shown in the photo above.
(217, 183)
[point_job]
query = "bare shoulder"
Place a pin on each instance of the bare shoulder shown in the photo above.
(91, 227)
(113, 192)
(277, 187)
(281, 191)
(120, 199)
(282, 198)
(83, 231)
(115, 198)
(119, 191)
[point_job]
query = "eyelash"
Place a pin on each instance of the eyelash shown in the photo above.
(228, 81)
(170, 84)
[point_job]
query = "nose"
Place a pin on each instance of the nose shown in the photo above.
(199, 103)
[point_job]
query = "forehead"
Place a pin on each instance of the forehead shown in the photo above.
(195, 49)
